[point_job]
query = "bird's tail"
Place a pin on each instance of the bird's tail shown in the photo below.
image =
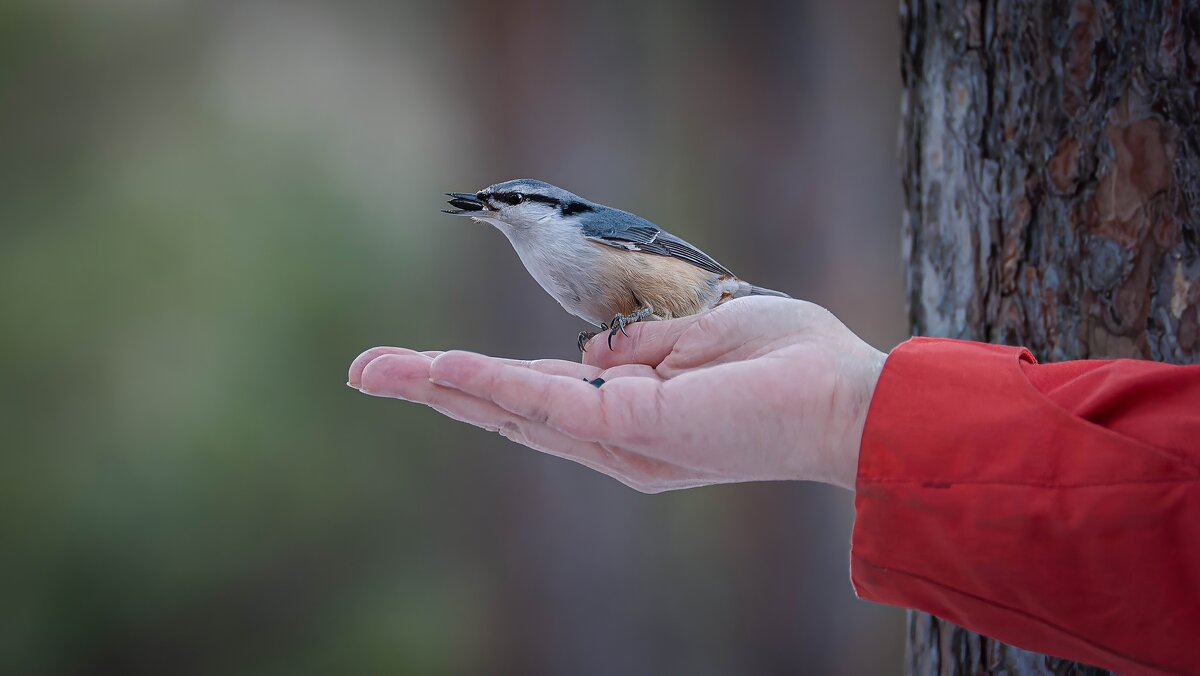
(759, 291)
(746, 289)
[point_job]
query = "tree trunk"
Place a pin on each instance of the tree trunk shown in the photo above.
(1051, 162)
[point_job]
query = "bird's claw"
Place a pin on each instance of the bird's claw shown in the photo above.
(620, 321)
(584, 337)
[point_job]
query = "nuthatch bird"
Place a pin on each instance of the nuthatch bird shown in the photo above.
(603, 265)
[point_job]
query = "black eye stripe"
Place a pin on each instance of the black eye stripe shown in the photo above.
(514, 197)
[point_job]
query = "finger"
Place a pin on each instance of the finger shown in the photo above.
(648, 343)
(630, 371)
(559, 367)
(406, 377)
(556, 367)
(562, 402)
(409, 365)
(354, 377)
(549, 366)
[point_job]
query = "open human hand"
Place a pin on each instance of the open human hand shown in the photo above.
(756, 389)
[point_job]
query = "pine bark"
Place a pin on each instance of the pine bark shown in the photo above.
(1051, 164)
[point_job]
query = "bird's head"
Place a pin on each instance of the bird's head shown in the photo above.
(520, 205)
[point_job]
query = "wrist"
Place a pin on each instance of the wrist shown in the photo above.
(863, 372)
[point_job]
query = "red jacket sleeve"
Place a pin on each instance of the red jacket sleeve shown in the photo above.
(1055, 508)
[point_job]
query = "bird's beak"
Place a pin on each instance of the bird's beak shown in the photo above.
(464, 203)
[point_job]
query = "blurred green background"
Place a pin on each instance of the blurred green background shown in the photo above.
(208, 208)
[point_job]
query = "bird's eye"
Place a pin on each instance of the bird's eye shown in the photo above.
(517, 198)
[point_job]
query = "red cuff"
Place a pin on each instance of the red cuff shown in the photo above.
(985, 503)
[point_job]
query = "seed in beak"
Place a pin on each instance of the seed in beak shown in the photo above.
(464, 202)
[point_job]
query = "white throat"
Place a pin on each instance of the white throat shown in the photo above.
(560, 258)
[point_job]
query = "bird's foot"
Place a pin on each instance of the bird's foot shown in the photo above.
(584, 337)
(620, 321)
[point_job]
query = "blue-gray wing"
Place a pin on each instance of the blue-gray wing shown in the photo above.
(623, 230)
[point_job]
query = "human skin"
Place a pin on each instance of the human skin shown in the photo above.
(757, 389)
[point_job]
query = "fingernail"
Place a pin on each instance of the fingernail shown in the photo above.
(352, 386)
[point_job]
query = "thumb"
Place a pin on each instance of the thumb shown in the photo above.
(648, 342)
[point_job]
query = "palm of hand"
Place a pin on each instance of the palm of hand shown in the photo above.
(757, 389)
